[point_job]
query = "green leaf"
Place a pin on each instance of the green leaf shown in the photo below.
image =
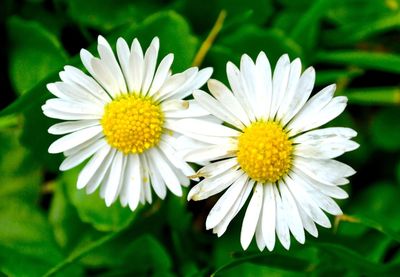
(398, 172)
(250, 39)
(174, 33)
(145, 254)
(359, 30)
(384, 129)
(269, 259)
(262, 9)
(93, 210)
(374, 96)
(35, 126)
(26, 241)
(68, 229)
(20, 175)
(304, 31)
(347, 258)
(33, 56)
(348, 12)
(368, 60)
(326, 77)
(379, 213)
(109, 14)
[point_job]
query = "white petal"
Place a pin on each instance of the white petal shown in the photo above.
(77, 77)
(325, 149)
(325, 133)
(279, 83)
(150, 62)
(193, 109)
(136, 66)
(251, 216)
(228, 100)
(104, 76)
(324, 202)
(234, 77)
(113, 183)
(52, 113)
(307, 222)
(161, 74)
(77, 93)
(174, 105)
(157, 181)
(294, 221)
(269, 216)
(175, 158)
(209, 153)
(225, 202)
(247, 69)
(312, 108)
(69, 106)
(211, 186)
(93, 166)
(175, 84)
(75, 159)
(108, 58)
(294, 76)
(171, 180)
(201, 77)
(295, 185)
(259, 235)
(335, 107)
(86, 58)
(301, 95)
(202, 127)
(145, 174)
(237, 206)
(71, 126)
(83, 145)
(329, 190)
(263, 86)
(71, 140)
(213, 106)
(324, 171)
(132, 182)
(123, 54)
(282, 228)
(216, 168)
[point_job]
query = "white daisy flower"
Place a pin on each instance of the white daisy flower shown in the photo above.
(270, 145)
(119, 117)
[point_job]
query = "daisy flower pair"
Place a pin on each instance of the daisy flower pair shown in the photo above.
(132, 120)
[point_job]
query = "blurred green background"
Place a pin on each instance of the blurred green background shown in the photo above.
(49, 227)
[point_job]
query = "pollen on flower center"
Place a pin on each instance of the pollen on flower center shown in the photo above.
(265, 151)
(132, 123)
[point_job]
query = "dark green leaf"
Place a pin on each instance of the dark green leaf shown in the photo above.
(269, 259)
(34, 56)
(374, 96)
(20, 175)
(26, 241)
(108, 14)
(352, 260)
(368, 60)
(384, 129)
(93, 210)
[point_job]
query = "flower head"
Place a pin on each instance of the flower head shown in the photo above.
(118, 118)
(269, 146)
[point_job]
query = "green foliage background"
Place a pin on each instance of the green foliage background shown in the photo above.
(49, 227)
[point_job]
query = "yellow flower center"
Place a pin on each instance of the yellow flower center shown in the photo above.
(265, 151)
(132, 123)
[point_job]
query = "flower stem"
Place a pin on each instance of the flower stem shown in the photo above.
(206, 45)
